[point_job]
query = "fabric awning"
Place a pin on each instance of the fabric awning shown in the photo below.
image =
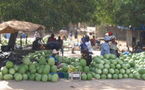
(15, 26)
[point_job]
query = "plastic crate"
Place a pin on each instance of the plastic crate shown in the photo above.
(63, 75)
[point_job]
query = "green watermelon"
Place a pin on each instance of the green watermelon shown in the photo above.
(51, 61)
(89, 76)
(54, 77)
(53, 68)
(83, 76)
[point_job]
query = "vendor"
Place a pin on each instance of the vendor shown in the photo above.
(54, 53)
(37, 44)
(105, 48)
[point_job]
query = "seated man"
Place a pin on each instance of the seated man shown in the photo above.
(54, 53)
(37, 44)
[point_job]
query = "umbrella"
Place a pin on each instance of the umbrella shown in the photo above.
(15, 26)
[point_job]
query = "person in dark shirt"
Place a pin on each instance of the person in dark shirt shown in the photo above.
(37, 44)
(60, 42)
(51, 38)
(57, 62)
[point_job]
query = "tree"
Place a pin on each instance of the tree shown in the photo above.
(51, 13)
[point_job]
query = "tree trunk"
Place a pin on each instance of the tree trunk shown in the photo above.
(12, 40)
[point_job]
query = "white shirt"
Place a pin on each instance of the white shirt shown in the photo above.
(89, 46)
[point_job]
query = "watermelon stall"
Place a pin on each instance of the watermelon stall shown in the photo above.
(37, 66)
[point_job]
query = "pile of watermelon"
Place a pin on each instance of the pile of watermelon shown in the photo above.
(37, 68)
(138, 60)
(110, 67)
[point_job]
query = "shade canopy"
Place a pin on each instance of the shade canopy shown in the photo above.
(15, 26)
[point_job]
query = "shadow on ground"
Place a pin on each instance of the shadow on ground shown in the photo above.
(123, 84)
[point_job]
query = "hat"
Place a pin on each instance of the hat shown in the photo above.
(107, 38)
(110, 33)
(54, 51)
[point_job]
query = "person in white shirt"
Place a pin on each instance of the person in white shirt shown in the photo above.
(87, 54)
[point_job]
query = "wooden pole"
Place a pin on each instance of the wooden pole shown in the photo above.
(12, 40)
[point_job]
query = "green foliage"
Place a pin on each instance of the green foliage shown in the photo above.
(51, 13)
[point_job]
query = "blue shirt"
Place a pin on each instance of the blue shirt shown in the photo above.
(24, 35)
(105, 49)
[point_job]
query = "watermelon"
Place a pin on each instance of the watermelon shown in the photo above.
(42, 60)
(118, 66)
(38, 77)
(115, 76)
(122, 71)
(22, 69)
(8, 77)
(100, 66)
(9, 64)
(51, 61)
(1, 76)
(130, 75)
(54, 77)
(89, 76)
(120, 76)
(53, 68)
(12, 71)
(125, 75)
(83, 62)
(103, 76)
(109, 76)
(98, 71)
(143, 76)
(44, 77)
(46, 69)
(137, 76)
(111, 71)
(25, 76)
(18, 77)
(4, 70)
(86, 69)
(83, 76)
(107, 66)
(105, 71)
(97, 76)
(141, 71)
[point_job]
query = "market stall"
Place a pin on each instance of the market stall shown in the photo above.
(15, 26)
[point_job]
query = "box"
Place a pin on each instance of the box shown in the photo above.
(75, 75)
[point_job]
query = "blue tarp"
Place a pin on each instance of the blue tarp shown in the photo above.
(142, 27)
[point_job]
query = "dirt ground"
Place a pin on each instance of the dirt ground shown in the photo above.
(123, 84)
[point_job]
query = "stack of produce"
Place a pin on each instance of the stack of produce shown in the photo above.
(76, 65)
(40, 69)
(110, 67)
(39, 66)
(137, 60)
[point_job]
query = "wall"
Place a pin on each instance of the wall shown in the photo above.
(120, 34)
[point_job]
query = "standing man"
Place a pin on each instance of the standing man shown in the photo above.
(60, 42)
(76, 34)
(105, 48)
